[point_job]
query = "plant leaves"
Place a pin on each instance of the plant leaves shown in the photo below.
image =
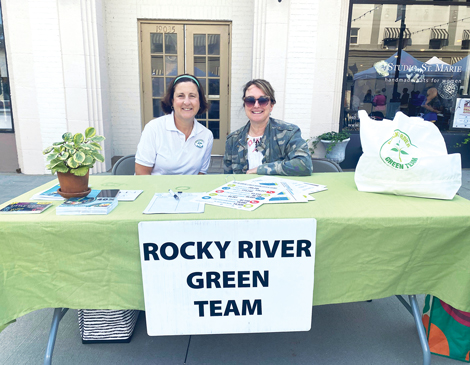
(394, 150)
(79, 157)
(60, 168)
(67, 137)
(78, 138)
(88, 161)
(90, 132)
(403, 152)
(98, 156)
(96, 145)
(98, 138)
(64, 156)
(58, 143)
(51, 156)
(81, 171)
(72, 163)
(47, 150)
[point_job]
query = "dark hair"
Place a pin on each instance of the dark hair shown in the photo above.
(263, 85)
(167, 101)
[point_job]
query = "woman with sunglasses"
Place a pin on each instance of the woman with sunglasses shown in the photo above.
(176, 144)
(265, 146)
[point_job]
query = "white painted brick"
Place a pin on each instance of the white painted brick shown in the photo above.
(54, 87)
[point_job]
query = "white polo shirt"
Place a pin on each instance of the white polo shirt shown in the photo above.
(164, 147)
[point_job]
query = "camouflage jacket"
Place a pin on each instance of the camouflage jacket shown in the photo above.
(284, 150)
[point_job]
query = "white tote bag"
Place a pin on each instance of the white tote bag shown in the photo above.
(406, 156)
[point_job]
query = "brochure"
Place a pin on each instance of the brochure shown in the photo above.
(167, 203)
(52, 194)
(128, 195)
(26, 207)
(241, 195)
(87, 205)
(291, 193)
(49, 194)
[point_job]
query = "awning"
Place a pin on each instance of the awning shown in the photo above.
(439, 34)
(394, 33)
(466, 35)
(455, 60)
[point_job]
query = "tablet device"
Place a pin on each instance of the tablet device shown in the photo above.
(108, 193)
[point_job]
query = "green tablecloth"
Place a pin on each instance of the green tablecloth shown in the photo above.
(368, 246)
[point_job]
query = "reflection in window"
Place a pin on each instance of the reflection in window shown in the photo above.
(6, 122)
(214, 109)
(157, 108)
(354, 35)
(214, 126)
(429, 63)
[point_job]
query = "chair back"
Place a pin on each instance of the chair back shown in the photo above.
(125, 166)
(325, 165)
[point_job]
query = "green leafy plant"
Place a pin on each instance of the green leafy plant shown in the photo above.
(75, 153)
(334, 137)
(465, 141)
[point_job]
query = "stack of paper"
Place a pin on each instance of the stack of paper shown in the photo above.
(87, 205)
(250, 194)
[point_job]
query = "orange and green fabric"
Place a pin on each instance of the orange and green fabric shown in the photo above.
(447, 329)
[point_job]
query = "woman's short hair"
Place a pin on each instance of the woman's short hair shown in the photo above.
(167, 101)
(263, 85)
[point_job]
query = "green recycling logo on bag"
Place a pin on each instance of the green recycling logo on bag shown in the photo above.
(398, 152)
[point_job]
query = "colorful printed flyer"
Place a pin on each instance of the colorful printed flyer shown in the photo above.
(240, 195)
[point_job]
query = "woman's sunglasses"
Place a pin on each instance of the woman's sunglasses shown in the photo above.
(250, 101)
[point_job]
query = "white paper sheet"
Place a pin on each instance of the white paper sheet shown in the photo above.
(165, 203)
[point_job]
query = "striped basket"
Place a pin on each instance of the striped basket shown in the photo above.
(99, 325)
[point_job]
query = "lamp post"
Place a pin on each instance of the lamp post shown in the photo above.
(401, 11)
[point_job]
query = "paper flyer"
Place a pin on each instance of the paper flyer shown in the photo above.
(239, 195)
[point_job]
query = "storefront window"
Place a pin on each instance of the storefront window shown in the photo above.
(412, 58)
(6, 122)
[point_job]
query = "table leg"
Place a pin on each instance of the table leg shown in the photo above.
(416, 313)
(58, 314)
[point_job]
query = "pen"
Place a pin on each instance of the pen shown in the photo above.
(174, 195)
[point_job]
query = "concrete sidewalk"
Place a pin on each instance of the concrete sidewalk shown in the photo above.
(380, 332)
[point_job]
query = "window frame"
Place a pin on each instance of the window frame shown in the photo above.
(12, 129)
(348, 45)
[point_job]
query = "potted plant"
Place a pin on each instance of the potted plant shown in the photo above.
(335, 145)
(72, 159)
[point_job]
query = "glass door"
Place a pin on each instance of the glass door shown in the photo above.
(170, 49)
(207, 51)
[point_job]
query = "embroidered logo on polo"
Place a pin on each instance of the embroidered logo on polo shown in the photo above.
(199, 143)
(398, 152)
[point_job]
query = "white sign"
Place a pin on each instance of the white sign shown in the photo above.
(462, 113)
(227, 276)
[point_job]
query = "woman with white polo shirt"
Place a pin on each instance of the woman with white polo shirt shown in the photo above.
(176, 144)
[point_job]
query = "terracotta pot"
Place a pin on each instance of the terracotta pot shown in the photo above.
(72, 184)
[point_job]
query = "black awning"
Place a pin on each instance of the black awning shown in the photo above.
(439, 34)
(394, 33)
